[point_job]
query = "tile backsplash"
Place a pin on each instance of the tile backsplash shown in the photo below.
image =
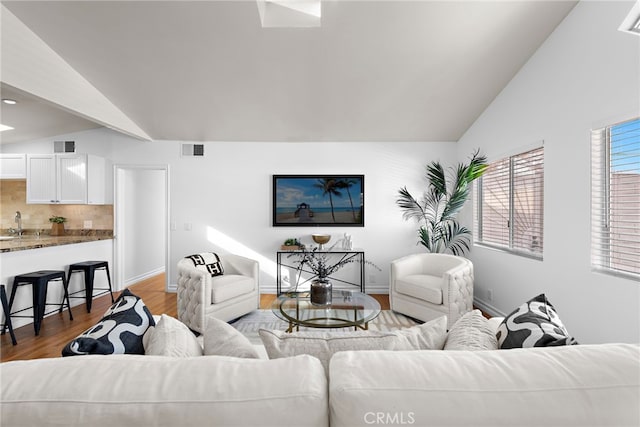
(13, 197)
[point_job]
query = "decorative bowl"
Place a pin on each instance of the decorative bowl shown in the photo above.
(321, 239)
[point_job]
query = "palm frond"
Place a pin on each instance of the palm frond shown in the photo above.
(425, 239)
(437, 178)
(412, 209)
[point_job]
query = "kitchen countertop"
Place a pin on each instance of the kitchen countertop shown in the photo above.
(45, 241)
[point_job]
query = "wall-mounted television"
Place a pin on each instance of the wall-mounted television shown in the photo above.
(326, 200)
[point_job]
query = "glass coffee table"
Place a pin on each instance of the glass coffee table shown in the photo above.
(347, 309)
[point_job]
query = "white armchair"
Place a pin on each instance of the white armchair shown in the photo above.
(426, 286)
(225, 297)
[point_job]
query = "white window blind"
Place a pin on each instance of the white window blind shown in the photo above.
(615, 199)
(510, 204)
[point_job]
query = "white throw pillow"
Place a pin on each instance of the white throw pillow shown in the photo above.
(427, 336)
(323, 345)
(471, 332)
(222, 339)
(171, 337)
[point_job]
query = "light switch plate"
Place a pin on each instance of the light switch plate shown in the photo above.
(88, 224)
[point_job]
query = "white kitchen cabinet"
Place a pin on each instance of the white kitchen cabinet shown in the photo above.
(13, 166)
(67, 179)
(99, 181)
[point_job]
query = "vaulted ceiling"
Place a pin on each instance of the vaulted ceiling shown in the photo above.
(373, 71)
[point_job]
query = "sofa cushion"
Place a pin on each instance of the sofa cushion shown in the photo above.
(471, 332)
(534, 324)
(428, 336)
(229, 286)
(133, 391)
(421, 286)
(171, 337)
(119, 331)
(587, 385)
(323, 345)
(222, 339)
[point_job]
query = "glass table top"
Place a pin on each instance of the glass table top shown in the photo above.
(347, 309)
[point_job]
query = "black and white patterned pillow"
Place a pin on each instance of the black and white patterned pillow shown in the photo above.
(209, 262)
(534, 324)
(120, 330)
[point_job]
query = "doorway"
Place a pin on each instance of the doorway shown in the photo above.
(141, 206)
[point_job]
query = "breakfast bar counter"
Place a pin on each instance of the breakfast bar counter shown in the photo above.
(32, 253)
(45, 241)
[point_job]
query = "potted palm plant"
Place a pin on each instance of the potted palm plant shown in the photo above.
(441, 202)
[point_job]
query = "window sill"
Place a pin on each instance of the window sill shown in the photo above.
(521, 253)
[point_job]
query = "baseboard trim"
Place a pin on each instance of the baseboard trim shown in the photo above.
(487, 308)
(149, 274)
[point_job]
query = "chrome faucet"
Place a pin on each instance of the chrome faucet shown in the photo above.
(18, 219)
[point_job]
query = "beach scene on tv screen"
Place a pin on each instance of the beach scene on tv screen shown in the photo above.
(319, 200)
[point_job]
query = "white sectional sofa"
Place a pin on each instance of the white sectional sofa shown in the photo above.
(588, 385)
(575, 385)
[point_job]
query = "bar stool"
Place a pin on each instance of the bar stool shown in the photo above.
(7, 317)
(39, 281)
(89, 268)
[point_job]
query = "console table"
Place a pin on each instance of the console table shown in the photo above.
(287, 259)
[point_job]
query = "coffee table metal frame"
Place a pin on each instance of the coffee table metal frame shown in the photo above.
(291, 307)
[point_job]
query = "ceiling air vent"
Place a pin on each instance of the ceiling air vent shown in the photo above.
(64, 146)
(191, 150)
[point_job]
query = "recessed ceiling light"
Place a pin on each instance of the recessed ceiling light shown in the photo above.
(9, 101)
(4, 127)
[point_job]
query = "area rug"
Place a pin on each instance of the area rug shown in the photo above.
(249, 325)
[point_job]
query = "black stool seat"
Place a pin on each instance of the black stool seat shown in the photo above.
(39, 281)
(7, 317)
(89, 268)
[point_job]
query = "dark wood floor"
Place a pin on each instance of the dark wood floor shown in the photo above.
(57, 330)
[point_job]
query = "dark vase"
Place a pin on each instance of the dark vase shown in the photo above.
(321, 292)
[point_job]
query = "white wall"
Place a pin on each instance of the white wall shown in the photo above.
(225, 197)
(587, 74)
(143, 223)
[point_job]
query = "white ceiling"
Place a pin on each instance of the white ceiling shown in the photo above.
(374, 71)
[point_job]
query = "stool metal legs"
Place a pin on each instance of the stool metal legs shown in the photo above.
(7, 317)
(39, 281)
(89, 268)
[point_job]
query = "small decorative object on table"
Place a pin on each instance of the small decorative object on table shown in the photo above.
(291, 244)
(321, 292)
(321, 239)
(347, 244)
(57, 225)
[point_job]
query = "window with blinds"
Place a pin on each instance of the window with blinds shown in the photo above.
(615, 199)
(509, 204)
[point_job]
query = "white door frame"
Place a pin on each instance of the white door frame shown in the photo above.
(118, 247)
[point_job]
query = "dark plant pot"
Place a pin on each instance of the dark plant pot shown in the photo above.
(321, 292)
